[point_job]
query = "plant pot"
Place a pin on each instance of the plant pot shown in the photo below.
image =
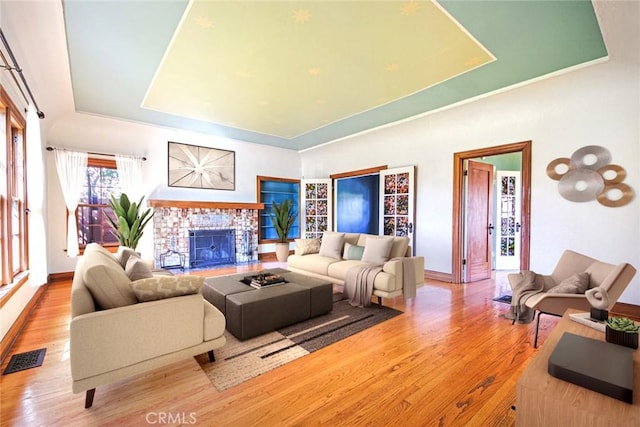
(621, 338)
(282, 252)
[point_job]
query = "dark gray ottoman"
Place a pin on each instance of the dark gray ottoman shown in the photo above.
(250, 312)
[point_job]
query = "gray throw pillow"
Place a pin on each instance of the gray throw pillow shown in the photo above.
(575, 284)
(352, 252)
(377, 249)
(137, 269)
(332, 244)
(123, 255)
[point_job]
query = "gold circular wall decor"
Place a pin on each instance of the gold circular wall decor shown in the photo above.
(552, 171)
(601, 154)
(621, 174)
(581, 185)
(586, 177)
(627, 195)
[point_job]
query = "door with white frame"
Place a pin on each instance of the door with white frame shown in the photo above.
(316, 207)
(397, 203)
(508, 220)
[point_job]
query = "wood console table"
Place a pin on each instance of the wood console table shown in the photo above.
(543, 400)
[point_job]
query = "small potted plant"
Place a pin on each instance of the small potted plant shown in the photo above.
(282, 217)
(129, 222)
(622, 331)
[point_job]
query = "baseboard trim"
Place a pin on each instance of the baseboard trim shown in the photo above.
(60, 277)
(18, 325)
(626, 310)
(438, 275)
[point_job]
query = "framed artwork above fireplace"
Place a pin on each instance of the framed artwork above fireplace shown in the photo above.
(193, 166)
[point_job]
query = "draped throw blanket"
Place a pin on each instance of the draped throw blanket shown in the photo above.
(408, 277)
(530, 284)
(358, 284)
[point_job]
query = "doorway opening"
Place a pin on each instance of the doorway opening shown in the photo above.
(459, 159)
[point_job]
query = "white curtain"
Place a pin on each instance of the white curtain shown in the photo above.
(72, 171)
(130, 175)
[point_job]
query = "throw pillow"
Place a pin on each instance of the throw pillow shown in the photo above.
(353, 252)
(332, 244)
(307, 246)
(399, 247)
(377, 249)
(161, 287)
(107, 282)
(123, 255)
(576, 284)
(137, 269)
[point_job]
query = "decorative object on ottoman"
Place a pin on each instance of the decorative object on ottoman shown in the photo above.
(264, 279)
(282, 216)
(622, 331)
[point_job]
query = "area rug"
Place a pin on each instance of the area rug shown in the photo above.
(503, 298)
(239, 361)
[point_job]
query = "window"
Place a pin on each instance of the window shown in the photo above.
(13, 193)
(101, 182)
(278, 190)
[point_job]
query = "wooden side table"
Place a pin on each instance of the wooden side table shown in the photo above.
(543, 400)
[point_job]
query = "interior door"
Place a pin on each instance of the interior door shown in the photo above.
(397, 203)
(478, 223)
(317, 207)
(508, 222)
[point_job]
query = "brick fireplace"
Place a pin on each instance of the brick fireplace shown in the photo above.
(174, 220)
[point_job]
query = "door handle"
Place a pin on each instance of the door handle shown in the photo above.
(410, 227)
(491, 227)
(517, 227)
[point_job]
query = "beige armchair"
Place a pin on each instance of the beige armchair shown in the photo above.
(113, 336)
(612, 278)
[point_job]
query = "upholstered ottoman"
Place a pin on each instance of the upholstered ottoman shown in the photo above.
(250, 312)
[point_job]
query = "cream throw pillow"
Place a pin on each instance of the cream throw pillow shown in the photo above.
(332, 244)
(377, 249)
(307, 246)
(576, 284)
(107, 282)
(161, 287)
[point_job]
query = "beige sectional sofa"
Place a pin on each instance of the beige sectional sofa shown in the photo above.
(310, 259)
(126, 319)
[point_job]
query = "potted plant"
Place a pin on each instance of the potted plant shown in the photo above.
(282, 217)
(622, 331)
(129, 222)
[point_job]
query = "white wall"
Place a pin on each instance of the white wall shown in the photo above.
(105, 135)
(597, 105)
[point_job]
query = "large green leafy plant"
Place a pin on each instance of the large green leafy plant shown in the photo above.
(129, 222)
(282, 217)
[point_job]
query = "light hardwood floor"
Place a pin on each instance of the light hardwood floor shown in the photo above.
(449, 360)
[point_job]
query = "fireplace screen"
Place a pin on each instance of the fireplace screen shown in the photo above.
(211, 247)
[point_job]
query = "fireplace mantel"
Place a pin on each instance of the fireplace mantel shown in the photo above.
(187, 204)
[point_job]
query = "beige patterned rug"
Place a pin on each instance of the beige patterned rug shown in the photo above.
(239, 361)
